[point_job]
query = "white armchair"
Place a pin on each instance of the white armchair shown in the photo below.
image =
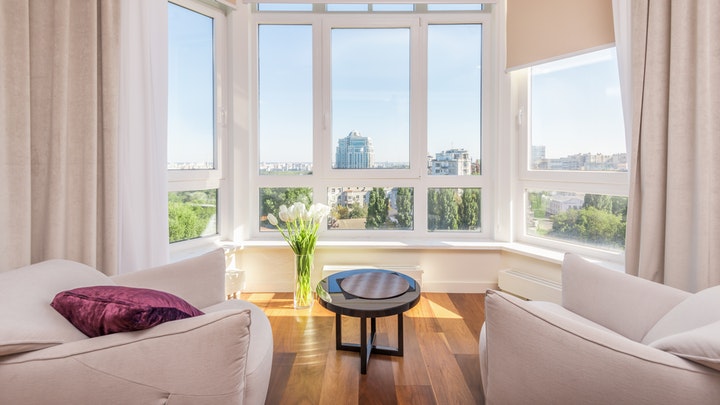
(221, 357)
(616, 339)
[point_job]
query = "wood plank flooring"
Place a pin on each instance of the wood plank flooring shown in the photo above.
(440, 364)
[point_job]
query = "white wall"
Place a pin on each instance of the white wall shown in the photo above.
(269, 268)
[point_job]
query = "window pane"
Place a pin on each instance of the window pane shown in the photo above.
(454, 99)
(284, 7)
(454, 209)
(272, 198)
(371, 208)
(590, 219)
(192, 214)
(454, 7)
(392, 7)
(347, 7)
(576, 114)
(191, 105)
(370, 98)
(285, 125)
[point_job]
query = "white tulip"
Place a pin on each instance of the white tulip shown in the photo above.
(312, 211)
(284, 213)
(299, 211)
(273, 221)
(319, 211)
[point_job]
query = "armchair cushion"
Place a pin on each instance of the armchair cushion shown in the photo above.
(198, 280)
(631, 306)
(199, 361)
(28, 320)
(699, 309)
(700, 345)
(102, 310)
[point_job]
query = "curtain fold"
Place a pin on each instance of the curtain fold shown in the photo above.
(15, 198)
(673, 227)
(623, 47)
(59, 97)
(143, 135)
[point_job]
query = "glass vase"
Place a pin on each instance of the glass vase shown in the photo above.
(303, 294)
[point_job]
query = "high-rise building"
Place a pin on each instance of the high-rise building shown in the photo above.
(538, 155)
(355, 152)
(451, 162)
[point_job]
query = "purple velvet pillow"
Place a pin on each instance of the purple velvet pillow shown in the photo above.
(102, 310)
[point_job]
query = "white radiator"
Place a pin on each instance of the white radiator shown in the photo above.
(413, 271)
(529, 286)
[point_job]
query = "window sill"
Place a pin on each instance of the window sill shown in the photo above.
(540, 253)
(204, 245)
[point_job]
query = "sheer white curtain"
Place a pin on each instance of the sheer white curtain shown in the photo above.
(621, 23)
(143, 228)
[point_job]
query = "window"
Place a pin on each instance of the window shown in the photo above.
(371, 208)
(576, 114)
(285, 89)
(454, 99)
(195, 125)
(376, 111)
(370, 98)
(192, 214)
(574, 177)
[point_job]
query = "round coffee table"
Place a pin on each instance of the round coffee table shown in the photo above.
(368, 293)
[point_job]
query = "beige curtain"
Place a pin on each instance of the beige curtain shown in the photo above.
(58, 123)
(674, 211)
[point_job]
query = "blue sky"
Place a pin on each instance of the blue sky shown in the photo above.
(576, 110)
(190, 86)
(370, 90)
(576, 105)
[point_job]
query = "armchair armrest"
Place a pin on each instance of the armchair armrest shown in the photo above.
(199, 280)
(626, 304)
(533, 355)
(198, 360)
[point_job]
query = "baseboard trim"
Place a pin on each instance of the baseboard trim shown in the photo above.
(427, 286)
(458, 287)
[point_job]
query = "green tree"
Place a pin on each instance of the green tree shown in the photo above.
(357, 210)
(189, 213)
(340, 212)
(404, 203)
(538, 204)
(433, 214)
(590, 225)
(469, 209)
(443, 209)
(619, 207)
(273, 198)
(377, 213)
(599, 201)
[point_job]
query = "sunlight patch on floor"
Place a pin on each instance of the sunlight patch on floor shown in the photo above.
(441, 312)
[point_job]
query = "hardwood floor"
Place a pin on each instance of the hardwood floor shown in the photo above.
(440, 365)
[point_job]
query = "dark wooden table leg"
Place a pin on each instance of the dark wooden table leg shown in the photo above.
(338, 332)
(400, 335)
(364, 352)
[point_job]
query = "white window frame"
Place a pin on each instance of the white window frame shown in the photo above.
(605, 183)
(325, 177)
(190, 180)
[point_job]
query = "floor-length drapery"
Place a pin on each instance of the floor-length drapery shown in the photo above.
(143, 216)
(58, 104)
(15, 144)
(622, 28)
(673, 214)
